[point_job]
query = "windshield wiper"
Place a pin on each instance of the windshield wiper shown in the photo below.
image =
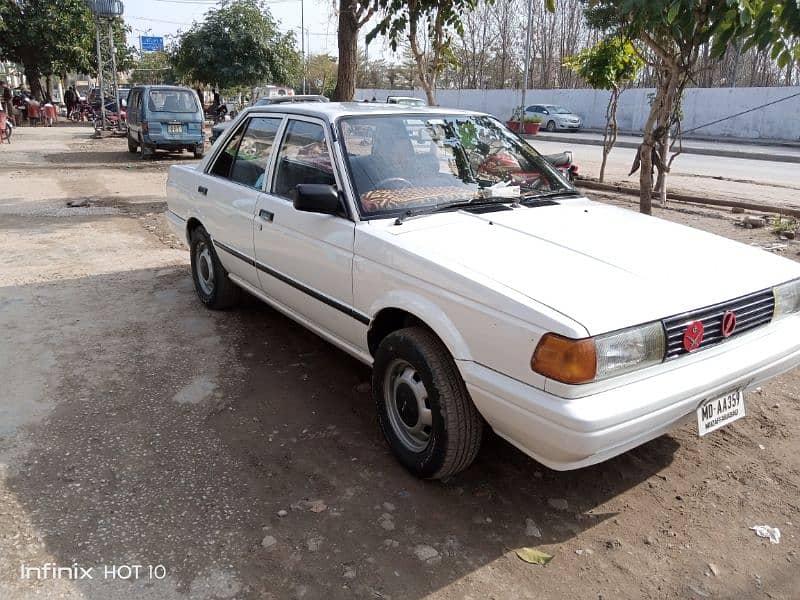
(540, 195)
(429, 210)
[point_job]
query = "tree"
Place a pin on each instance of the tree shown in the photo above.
(610, 65)
(428, 26)
(46, 37)
(238, 45)
(322, 69)
(154, 68)
(671, 34)
(353, 15)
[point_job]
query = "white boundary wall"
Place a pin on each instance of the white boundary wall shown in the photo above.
(701, 105)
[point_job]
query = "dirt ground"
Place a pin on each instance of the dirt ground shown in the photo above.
(241, 453)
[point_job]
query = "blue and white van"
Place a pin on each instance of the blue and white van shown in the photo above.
(164, 117)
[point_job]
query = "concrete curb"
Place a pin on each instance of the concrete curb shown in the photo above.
(579, 141)
(678, 197)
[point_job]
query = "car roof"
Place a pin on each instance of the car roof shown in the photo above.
(331, 111)
(161, 87)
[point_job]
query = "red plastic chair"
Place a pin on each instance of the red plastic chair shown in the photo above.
(34, 112)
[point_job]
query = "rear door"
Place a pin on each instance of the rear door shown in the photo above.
(229, 191)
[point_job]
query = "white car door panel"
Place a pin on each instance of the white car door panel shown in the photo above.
(232, 187)
(305, 260)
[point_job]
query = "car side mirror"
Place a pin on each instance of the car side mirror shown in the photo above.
(317, 198)
(545, 111)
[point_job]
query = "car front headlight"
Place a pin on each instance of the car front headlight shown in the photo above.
(787, 299)
(600, 357)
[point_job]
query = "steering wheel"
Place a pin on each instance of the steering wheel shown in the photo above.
(393, 183)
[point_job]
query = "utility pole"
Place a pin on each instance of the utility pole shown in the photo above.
(303, 41)
(104, 12)
(527, 67)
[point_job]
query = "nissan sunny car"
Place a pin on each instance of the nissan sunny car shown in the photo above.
(481, 287)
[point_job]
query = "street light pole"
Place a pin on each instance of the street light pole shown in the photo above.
(527, 66)
(303, 41)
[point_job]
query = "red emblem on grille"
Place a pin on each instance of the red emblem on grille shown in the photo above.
(693, 336)
(728, 323)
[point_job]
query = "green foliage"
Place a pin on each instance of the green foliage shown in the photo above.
(607, 65)
(154, 68)
(237, 45)
(399, 15)
(776, 24)
(321, 74)
(783, 225)
(53, 37)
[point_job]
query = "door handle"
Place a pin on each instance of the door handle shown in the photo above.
(266, 215)
(202, 189)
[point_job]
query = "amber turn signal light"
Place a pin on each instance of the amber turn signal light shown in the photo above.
(564, 359)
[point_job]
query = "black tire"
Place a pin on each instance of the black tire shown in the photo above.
(456, 428)
(551, 126)
(222, 293)
(144, 150)
(132, 145)
(198, 152)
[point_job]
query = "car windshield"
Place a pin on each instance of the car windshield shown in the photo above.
(559, 110)
(172, 101)
(399, 162)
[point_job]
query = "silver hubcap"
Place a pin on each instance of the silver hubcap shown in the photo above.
(205, 268)
(407, 405)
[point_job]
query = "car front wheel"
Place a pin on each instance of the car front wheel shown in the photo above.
(551, 126)
(423, 405)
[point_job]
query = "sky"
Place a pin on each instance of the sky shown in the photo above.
(166, 17)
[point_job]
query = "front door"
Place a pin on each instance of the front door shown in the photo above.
(305, 260)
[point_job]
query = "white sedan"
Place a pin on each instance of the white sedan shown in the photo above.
(482, 288)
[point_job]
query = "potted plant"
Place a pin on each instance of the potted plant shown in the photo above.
(530, 123)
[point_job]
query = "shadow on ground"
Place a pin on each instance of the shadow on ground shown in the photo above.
(179, 434)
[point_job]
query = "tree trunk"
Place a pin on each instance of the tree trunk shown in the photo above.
(348, 52)
(661, 182)
(610, 132)
(34, 77)
(660, 112)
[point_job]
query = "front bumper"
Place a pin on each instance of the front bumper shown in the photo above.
(566, 434)
(566, 125)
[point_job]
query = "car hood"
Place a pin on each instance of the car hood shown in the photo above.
(606, 268)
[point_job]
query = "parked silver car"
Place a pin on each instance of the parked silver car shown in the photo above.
(555, 117)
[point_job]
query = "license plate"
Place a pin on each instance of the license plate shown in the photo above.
(175, 128)
(718, 412)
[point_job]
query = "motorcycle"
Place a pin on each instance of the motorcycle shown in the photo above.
(82, 112)
(113, 120)
(564, 162)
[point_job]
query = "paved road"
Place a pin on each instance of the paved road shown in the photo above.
(755, 149)
(723, 177)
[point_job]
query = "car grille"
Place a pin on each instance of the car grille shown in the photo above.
(751, 311)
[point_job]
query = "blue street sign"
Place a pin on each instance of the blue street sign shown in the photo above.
(152, 44)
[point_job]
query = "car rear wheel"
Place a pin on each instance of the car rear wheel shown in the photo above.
(211, 281)
(132, 145)
(198, 152)
(551, 126)
(423, 405)
(144, 150)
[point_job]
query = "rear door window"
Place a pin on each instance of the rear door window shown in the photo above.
(225, 159)
(174, 101)
(255, 149)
